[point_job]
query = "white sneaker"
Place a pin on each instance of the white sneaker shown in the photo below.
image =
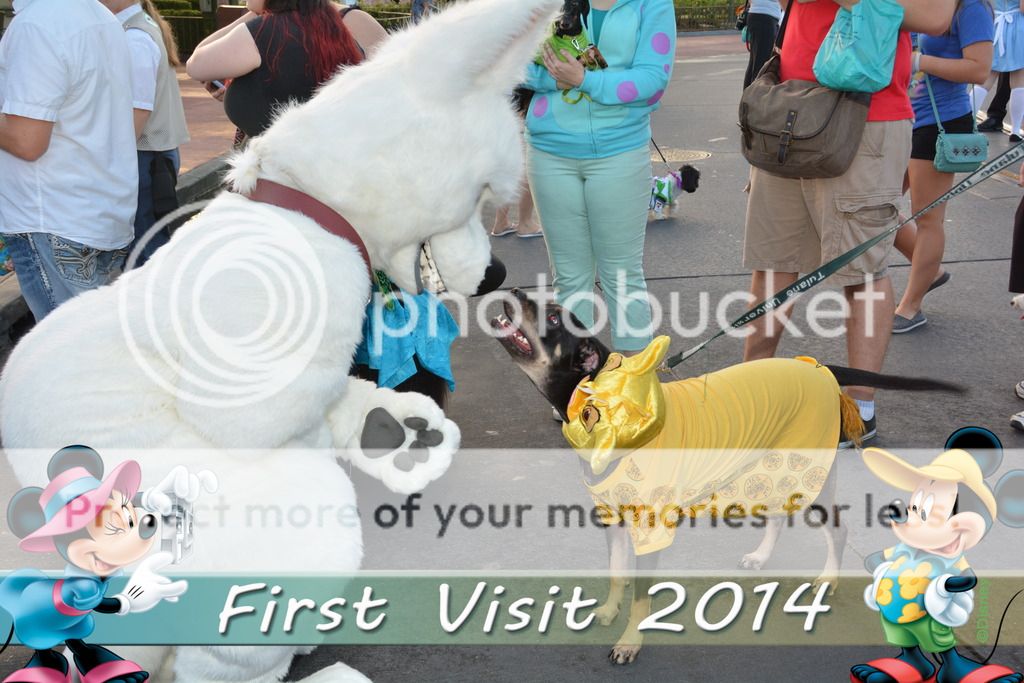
(1017, 421)
(1020, 389)
(557, 417)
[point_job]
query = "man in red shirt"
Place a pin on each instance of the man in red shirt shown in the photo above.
(794, 225)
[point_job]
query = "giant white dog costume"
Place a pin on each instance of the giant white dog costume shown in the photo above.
(240, 333)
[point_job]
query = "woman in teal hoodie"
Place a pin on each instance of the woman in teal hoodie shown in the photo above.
(589, 161)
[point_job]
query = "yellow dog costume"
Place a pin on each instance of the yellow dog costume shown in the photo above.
(753, 439)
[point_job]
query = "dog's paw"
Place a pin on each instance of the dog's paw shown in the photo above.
(831, 579)
(606, 613)
(624, 652)
(407, 442)
(628, 647)
(752, 561)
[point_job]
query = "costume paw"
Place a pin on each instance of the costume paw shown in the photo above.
(407, 443)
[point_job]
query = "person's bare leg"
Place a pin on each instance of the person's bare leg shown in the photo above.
(526, 222)
(926, 185)
(767, 330)
(868, 329)
(906, 237)
(501, 222)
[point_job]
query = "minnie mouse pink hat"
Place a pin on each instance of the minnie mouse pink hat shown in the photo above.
(71, 501)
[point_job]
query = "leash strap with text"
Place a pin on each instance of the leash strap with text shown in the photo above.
(997, 164)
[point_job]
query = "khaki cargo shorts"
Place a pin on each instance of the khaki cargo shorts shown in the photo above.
(794, 226)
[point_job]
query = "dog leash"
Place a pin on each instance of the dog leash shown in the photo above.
(660, 154)
(1015, 153)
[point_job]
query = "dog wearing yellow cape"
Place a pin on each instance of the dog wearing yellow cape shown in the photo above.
(755, 440)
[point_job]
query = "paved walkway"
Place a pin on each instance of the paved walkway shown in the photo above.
(973, 339)
(210, 129)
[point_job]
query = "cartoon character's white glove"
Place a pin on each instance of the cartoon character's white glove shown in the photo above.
(871, 590)
(146, 588)
(947, 607)
(181, 483)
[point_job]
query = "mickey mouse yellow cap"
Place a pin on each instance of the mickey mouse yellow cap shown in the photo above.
(620, 410)
(954, 465)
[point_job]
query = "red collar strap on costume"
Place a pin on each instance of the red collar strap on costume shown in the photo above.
(282, 196)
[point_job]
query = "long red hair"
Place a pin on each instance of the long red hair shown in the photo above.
(324, 36)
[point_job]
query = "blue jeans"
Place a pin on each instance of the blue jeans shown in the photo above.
(144, 216)
(52, 269)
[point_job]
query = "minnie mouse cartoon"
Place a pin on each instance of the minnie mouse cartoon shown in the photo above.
(923, 586)
(98, 525)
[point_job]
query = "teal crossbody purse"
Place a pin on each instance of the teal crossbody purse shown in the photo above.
(957, 152)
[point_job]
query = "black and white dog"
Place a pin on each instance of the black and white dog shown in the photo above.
(557, 360)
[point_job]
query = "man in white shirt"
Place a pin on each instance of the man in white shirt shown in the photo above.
(159, 120)
(67, 148)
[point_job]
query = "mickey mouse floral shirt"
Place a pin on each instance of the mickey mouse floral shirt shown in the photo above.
(901, 591)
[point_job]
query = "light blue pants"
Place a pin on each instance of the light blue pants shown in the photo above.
(594, 213)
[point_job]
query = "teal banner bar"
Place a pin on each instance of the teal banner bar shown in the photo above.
(521, 609)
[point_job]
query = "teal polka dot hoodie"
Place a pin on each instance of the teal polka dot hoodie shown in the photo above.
(638, 39)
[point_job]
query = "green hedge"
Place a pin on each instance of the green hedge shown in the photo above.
(174, 13)
(392, 16)
(189, 31)
(166, 6)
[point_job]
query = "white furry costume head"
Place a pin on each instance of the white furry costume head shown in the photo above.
(378, 130)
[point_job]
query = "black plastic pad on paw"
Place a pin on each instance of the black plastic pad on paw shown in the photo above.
(382, 433)
(430, 437)
(404, 462)
(416, 423)
(418, 451)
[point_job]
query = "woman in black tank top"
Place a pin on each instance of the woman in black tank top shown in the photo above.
(281, 51)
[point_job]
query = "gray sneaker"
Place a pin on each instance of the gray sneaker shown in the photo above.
(1020, 389)
(901, 324)
(1017, 421)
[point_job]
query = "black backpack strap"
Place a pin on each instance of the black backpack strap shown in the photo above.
(782, 29)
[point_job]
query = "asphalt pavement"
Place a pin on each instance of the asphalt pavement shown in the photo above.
(973, 339)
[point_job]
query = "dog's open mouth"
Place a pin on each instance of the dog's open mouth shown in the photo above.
(511, 336)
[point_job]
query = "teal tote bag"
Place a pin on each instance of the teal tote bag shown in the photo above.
(859, 51)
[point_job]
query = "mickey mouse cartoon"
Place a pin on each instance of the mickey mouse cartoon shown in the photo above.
(923, 585)
(99, 525)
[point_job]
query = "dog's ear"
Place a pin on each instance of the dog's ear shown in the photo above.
(587, 357)
(484, 44)
(690, 178)
(75, 456)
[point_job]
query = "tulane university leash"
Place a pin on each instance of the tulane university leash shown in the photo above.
(990, 168)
